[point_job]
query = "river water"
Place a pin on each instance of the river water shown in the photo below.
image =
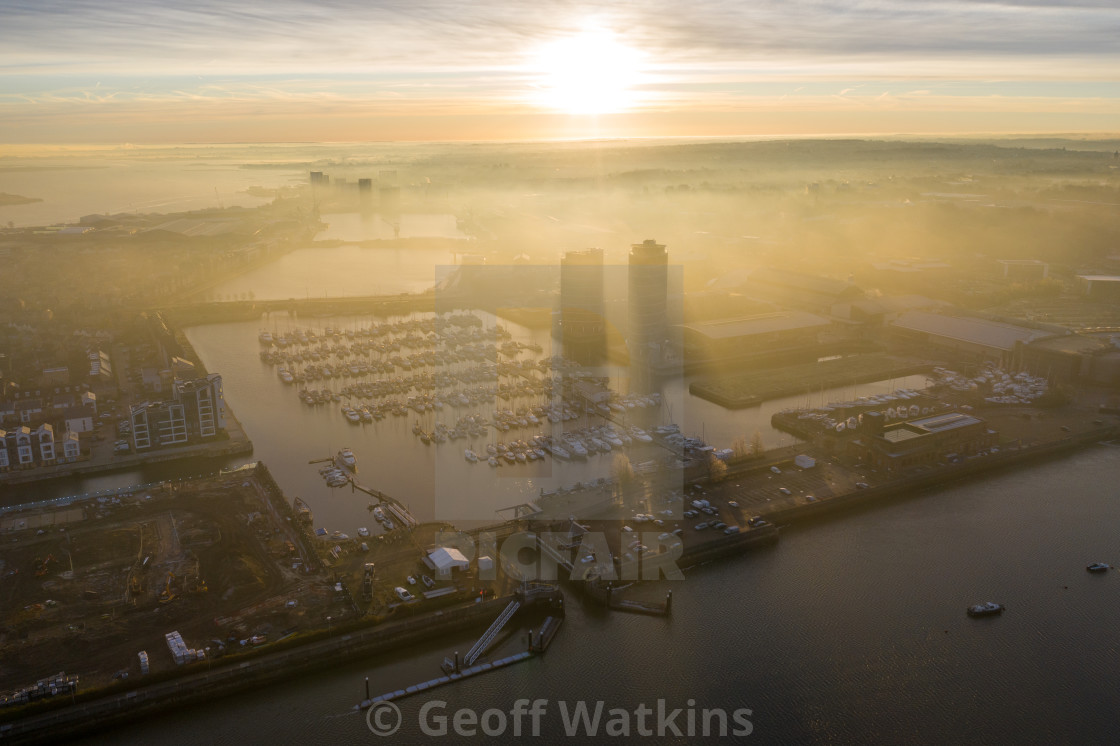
(848, 631)
(353, 270)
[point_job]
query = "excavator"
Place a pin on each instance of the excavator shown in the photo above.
(167, 595)
(44, 568)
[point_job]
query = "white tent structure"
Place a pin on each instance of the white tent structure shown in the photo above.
(445, 559)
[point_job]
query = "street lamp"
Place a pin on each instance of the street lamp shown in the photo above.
(208, 660)
(328, 625)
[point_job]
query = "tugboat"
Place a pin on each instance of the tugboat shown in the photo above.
(985, 609)
(1097, 567)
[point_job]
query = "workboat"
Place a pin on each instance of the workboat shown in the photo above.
(1097, 567)
(985, 609)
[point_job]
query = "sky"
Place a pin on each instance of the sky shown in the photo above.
(153, 71)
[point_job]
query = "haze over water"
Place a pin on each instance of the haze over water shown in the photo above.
(850, 630)
(741, 136)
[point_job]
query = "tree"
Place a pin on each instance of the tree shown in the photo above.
(623, 475)
(717, 469)
(757, 446)
(739, 447)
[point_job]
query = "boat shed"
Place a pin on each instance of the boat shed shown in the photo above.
(711, 340)
(973, 337)
(1101, 287)
(443, 560)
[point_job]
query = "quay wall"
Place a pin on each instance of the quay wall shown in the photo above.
(223, 449)
(229, 678)
(940, 476)
(728, 545)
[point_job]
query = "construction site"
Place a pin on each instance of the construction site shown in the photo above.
(88, 586)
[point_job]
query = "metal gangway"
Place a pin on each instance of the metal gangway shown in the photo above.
(556, 556)
(488, 636)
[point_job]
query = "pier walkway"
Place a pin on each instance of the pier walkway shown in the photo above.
(492, 632)
(395, 506)
(554, 554)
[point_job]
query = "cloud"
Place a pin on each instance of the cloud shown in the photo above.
(446, 57)
(371, 35)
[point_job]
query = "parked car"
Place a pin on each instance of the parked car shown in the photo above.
(403, 595)
(700, 526)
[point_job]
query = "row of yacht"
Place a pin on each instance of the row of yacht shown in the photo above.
(996, 385)
(455, 325)
(576, 444)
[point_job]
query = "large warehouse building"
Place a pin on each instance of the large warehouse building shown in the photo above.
(971, 337)
(749, 335)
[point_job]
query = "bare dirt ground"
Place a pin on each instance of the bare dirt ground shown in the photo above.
(86, 587)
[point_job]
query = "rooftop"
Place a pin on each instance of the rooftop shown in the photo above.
(902, 433)
(763, 323)
(947, 421)
(920, 428)
(969, 329)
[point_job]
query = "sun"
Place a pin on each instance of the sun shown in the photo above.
(588, 73)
